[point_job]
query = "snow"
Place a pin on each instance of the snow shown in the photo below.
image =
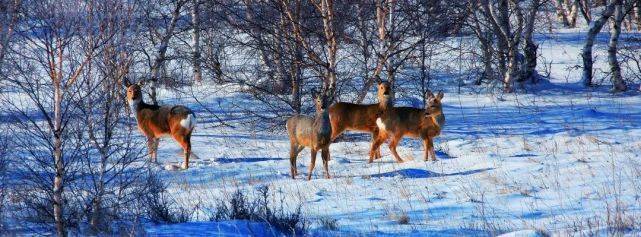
(547, 159)
(551, 159)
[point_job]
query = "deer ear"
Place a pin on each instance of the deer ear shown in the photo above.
(126, 81)
(440, 95)
(429, 94)
(140, 83)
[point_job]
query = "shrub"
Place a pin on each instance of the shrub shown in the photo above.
(159, 206)
(260, 209)
(329, 223)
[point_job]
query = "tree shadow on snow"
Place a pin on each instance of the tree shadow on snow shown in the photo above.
(226, 160)
(421, 173)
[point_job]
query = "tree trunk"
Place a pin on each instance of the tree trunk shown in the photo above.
(528, 69)
(585, 8)
(297, 79)
(261, 42)
(618, 84)
(6, 32)
(595, 28)
(162, 51)
(284, 77)
(97, 219)
(561, 14)
(503, 20)
(195, 54)
(637, 15)
(488, 72)
(327, 10)
(510, 74)
(58, 159)
(368, 81)
(573, 5)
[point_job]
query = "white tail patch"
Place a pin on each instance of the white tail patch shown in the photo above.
(380, 124)
(189, 122)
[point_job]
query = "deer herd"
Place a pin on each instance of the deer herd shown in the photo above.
(382, 120)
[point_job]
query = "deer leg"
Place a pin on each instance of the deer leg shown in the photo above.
(375, 134)
(376, 145)
(312, 164)
(150, 149)
(293, 153)
(156, 143)
(430, 148)
(392, 146)
(426, 146)
(187, 149)
(325, 156)
(185, 143)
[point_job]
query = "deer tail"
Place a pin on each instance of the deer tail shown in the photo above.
(188, 122)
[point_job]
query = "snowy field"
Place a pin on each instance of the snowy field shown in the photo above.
(557, 159)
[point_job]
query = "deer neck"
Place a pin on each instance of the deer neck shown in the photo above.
(322, 125)
(135, 105)
(438, 120)
(385, 102)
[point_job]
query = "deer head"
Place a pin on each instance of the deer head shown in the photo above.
(384, 92)
(434, 108)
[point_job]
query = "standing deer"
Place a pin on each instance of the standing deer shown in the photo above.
(406, 121)
(157, 121)
(314, 133)
(357, 117)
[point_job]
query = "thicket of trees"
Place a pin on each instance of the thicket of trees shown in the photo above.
(64, 64)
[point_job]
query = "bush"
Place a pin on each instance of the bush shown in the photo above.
(160, 207)
(329, 223)
(240, 207)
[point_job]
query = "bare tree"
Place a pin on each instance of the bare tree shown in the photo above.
(637, 15)
(528, 68)
(155, 14)
(195, 24)
(9, 10)
(112, 174)
(620, 12)
(4, 177)
(508, 36)
(325, 66)
(395, 39)
(52, 47)
(484, 34)
(595, 28)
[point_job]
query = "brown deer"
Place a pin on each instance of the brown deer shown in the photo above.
(357, 117)
(398, 122)
(314, 133)
(157, 121)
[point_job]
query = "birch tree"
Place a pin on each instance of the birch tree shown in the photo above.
(10, 12)
(195, 41)
(154, 13)
(508, 36)
(47, 69)
(325, 58)
(593, 30)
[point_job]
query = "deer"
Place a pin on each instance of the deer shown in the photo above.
(358, 117)
(398, 122)
(156, 121)
(313, 132)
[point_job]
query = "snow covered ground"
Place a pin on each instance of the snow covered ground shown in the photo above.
(558, 159)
